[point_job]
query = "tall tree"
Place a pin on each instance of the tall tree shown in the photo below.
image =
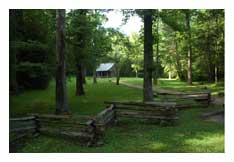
(101, 46)
(118, 51)
(14, 18)
(78, 32)
(61, 94)
(189, 46)
(135, 53)
(148, 56)
(156, 71)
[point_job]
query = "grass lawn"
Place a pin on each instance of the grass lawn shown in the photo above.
(190, 134)
(179, 85)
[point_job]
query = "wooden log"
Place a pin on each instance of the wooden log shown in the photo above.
(217, 112)
(109, 115)
(21, 123)
(64, 126)
(83, 137)
(182, 93)
(77, 134)
(17, 138)
(100, 128)
(147, 117)
(154, 113)
(23, 129)
(102, 114)
(90, 122)
(23, 118)
(147, 108)
(109, 118)
(187, 97)
(69, 122)
(51, 116)
(153, 104)
(143, 114)
(184, 106)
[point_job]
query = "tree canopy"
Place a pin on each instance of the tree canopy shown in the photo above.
(180, 38)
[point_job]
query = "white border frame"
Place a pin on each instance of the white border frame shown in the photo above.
(119, 4)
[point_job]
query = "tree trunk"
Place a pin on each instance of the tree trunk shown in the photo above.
(83, 75)
(178, 65)
(189, 44)
(216, 52)
(61, 94)
(169, 75)
(209, 63)
(12, 71)
(14, 16)
(79, 82)
(117, 75)
(94, 76)
(156, 73)
(216, 73)
(148, 56)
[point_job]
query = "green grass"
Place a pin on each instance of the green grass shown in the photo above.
(43, 101)
(190, 134)
(174, 84)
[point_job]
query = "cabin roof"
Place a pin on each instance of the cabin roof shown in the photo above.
(105, 67)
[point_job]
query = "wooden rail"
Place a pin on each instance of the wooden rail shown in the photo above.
(164, 112)
(83, 132)
(86, 130)
(201, 99)
(20, 129)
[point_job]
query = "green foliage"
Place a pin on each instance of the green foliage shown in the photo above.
(89, 43)
(33, 75)
(32, 48)
(207, 41)
(136, 53)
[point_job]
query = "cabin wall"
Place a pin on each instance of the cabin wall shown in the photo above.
(105, 74)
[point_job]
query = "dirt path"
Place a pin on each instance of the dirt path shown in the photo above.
(159, 90)
(215, 99)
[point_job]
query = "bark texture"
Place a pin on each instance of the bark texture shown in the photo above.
(61, 95)
(79, 82)
(94, 76)
(189, 75)
(156, 72)
(148, 56)
(83, 74)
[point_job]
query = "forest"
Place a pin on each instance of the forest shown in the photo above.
(176, 57)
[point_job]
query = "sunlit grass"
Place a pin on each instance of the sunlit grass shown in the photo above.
(174, 84)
